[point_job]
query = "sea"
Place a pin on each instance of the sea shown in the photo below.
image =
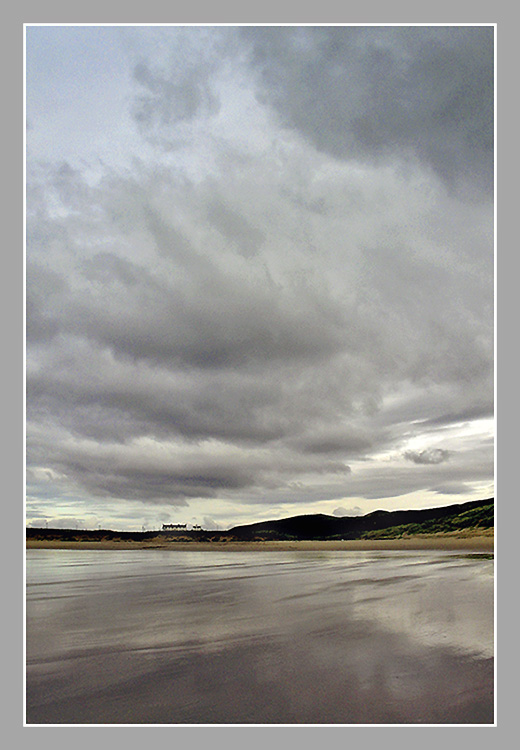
(159, 637)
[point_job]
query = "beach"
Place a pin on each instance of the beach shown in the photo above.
(283, 637)
(468, 541)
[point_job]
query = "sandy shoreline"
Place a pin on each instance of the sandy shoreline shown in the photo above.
(477, 543)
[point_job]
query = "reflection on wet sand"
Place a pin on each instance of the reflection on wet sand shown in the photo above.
(287, 638)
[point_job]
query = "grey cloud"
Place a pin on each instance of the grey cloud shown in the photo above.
(173, 90)
(313, 205)
(334, 440)
(69, 186)
(107, 267)
(235, 228)
(170, 97)
(97, 397)
(390, 481)
(377, 93)
(427, 456)
(210, 524)
(482, 410)
(147, 470)
(169, 240)
(355, 511)
(170, 326)
(451, 488)
(209, 318)
(46, 289)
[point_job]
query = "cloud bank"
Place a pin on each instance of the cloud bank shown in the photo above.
(269, 285)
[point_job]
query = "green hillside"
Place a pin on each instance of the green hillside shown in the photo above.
(470, 519)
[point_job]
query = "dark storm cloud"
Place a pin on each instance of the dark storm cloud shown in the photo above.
(427, 456)
(377, 93)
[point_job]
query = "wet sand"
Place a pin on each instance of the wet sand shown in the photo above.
(286, 637)
(447, 542)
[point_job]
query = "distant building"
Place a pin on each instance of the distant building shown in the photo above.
(180, 527)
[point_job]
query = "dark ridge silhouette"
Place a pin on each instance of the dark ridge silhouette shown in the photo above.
(320, 526)
(107, 535)
(97, 535)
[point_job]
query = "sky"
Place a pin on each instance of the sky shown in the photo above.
(259, 272)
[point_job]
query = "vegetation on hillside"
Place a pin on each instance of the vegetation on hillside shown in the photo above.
(471, 519)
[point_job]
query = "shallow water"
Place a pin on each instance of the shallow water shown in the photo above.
(160, 637)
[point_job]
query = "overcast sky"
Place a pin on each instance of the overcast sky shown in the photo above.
(260, 267)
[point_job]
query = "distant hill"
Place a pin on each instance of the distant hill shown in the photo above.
(379, 524)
